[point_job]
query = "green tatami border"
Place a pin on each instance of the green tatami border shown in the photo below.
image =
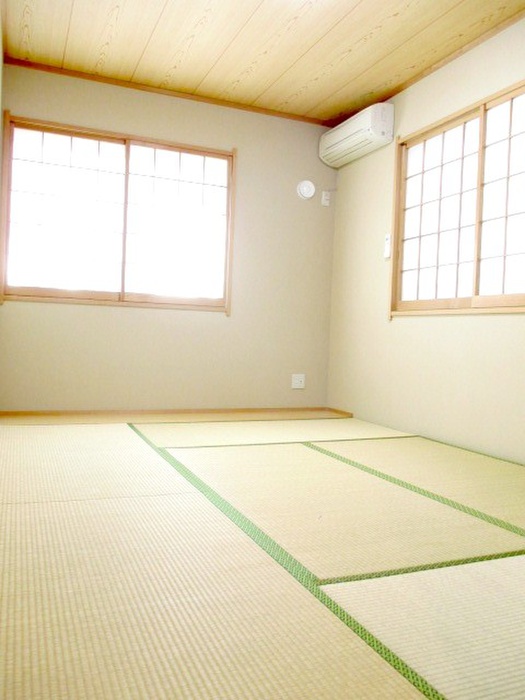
(486, 517)
(218, 446)
(296, 569)
(422, 567)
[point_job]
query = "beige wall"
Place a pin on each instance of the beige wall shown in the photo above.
(460, 379)
(69, 357)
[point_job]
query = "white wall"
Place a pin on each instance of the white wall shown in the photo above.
(73, 357)
(460, 379)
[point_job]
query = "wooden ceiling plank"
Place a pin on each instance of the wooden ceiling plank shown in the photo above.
(316, 59)
(419, 56)
(276, 36)
(371, 30)
(189, 39)
(36, 30)
(118, 34)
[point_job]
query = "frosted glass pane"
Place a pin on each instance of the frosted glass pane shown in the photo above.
(491, 276)
(411, 254)
(430, 218)
(428, 252)
(453, 144)
(465, 279)
(516, 234)
(493, 238)
(517, 155)
(83, 184)
(515, 275)
(137, 218)
(140, 190)
(449, 213)
(517, 194)
(27, 144)
(25, 208)
(498, 123)
(433, 150)
(64, 257)
(215, 199)
(165, 203)
(471, 142)
(161, 219)
(518, 115)
(142, 160)
(111, 187)
(215, 171)
(95, 263)
(467, 237)
(191, 194)
(495, 200)
(167, 163)
(451, 180)
(468, 208)
(55, 179)
(470, 172)
(448, 247)
(431, 184)
(57, 149)
(191, 167)
(26, 176)
(68, 233)
(412, 222)
(409, 286)
(112, 157)
(496, 161)
(84, 153)
(28, 251)
(414, 160)
(446, 282)
(109, 216)
(189, 265)
(413, 191)
(165, 191)
(427, 283)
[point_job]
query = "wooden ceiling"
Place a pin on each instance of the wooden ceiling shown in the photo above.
(319, 60)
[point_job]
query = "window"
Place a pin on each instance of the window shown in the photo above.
(460, 216)
(92, 217)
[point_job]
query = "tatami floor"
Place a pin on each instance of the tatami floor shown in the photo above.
(261, 555)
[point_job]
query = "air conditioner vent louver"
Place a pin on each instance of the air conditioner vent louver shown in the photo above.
(357, 136)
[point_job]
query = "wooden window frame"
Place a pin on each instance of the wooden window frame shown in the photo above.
(476, 303)
(122, 297)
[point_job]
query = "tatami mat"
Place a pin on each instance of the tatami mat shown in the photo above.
(490, 485)
(463, 628)
(336, 520)
(119, 592)
(64, 462)
(133, 572)
(262, 432)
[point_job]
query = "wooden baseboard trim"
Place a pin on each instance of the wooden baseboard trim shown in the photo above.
(170, 411)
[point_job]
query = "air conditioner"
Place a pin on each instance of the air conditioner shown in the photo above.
(365, 132)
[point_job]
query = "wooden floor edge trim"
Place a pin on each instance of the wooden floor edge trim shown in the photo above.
(171, 411)
(339, 411)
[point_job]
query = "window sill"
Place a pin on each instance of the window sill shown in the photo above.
(465, 311)
(113, 300)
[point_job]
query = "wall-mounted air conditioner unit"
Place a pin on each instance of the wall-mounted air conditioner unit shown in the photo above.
(361, 134)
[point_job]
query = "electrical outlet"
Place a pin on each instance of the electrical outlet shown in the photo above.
(298, 381)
